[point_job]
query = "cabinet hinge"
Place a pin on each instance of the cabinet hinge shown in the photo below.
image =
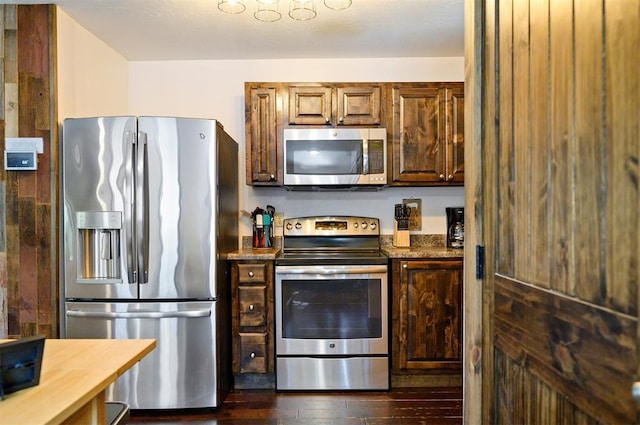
(479, 262)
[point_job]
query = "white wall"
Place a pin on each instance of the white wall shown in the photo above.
(94, 80)
(215, 89)
(92, 77)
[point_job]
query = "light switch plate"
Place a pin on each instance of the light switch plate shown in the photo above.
(278, 219)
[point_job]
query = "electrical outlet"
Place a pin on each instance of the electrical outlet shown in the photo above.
(278, 219)
(415, 217)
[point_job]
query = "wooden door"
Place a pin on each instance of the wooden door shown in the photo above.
(557, 91)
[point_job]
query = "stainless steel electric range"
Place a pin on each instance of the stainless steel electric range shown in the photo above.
(332, 305)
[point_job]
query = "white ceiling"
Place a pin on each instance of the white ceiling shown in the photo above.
(196, 29)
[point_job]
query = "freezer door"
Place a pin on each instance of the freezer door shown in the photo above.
(97, 186)
(184, 369)
(177, 251)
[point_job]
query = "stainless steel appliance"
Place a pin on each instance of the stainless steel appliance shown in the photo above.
(332, 305)
(455, 227)
(149, 209)
(330, 157)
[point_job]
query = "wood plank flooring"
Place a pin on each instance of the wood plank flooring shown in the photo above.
(402, 406)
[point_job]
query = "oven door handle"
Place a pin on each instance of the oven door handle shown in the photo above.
(326, 270)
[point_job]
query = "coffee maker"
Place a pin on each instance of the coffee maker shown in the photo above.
(455, 227)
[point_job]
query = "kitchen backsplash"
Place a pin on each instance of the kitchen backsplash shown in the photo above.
(419, 240)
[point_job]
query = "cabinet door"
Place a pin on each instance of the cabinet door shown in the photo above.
(455, 135)
(418, 135)
(310, 105)
(253, 353)
(358, 105)
(427, 315)
(262, 154)
(252, 303)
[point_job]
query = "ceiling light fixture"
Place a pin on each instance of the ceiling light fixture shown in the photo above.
(337, 4)
(302, 10)
(231, 6)
(267, 10)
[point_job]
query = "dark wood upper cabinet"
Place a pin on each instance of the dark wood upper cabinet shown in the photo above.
(310, 105)
(335, 105)
(263, 135)
(424, 121)
(427, 134)
(359, 105)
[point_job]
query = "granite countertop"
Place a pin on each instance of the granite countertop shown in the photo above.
(249, 253)
(421, 252)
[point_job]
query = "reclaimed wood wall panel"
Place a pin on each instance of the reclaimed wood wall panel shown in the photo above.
(561, 118)
(29, 273)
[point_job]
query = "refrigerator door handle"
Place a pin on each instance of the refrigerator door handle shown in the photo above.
(142, 208)
(139, 314)
(130, 195)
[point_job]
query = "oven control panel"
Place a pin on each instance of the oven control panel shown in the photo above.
(331, 226)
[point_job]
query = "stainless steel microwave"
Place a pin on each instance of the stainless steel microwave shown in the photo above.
(335, 157)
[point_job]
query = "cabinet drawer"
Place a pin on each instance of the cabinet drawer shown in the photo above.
(253, 353)
(251, 303)
(248, 273)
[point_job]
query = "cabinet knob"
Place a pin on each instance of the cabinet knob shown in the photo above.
(251, 307)
(341, 119)
(450, 177)
(272, 177)
(404, 265)
(252, 355)
(327, 120)
(250, 274)
(441, 176)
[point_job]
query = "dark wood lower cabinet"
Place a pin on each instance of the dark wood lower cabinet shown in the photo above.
(252, 323)
(427, 316)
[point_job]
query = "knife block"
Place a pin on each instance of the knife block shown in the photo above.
(401, 238)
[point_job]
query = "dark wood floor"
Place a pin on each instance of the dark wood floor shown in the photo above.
(403, 406)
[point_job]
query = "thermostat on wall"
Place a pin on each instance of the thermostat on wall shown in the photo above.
(14, 160)
(21, 153)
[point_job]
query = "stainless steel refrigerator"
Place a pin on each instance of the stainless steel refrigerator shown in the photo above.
(149, 211)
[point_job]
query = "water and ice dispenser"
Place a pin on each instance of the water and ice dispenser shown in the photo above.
(99, 246)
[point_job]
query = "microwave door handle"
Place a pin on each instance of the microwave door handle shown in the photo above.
(130, 195)
(142, 208)
(365, 156)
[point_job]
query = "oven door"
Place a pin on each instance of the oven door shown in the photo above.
(331, 310)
